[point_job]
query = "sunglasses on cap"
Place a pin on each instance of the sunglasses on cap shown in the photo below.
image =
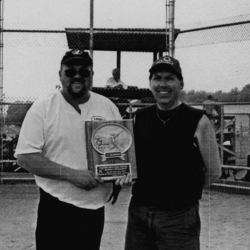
(82, 72)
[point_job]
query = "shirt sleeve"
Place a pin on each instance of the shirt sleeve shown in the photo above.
(116, 112)
(31, 137)
(109, 82)
(208, 147)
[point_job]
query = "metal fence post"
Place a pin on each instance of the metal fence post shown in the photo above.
(1, 91)
(91, 29)
(222, 132)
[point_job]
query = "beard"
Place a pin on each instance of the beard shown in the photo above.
(77, 94)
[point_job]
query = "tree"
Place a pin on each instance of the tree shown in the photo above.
(196, 97)
(244, 95)
(233, 95)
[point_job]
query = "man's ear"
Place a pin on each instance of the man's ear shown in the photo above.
(150, 85)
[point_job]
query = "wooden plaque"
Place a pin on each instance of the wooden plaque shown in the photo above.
(110, 148)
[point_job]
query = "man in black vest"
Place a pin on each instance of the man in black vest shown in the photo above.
(177, 155)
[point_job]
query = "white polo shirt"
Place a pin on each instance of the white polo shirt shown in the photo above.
(55, 129)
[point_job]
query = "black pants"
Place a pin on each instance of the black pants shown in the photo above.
(64, 226)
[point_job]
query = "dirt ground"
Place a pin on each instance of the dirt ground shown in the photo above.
(225, 219)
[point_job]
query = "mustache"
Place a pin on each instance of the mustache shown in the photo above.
(78, 81)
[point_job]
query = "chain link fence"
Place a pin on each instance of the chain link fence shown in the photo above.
(231, 125)
(31, 61)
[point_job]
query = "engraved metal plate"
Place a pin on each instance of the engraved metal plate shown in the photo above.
(112, 171)
(111, 140)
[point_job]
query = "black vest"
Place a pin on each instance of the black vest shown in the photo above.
(170, 167)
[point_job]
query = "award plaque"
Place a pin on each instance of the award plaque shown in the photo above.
(110, 148)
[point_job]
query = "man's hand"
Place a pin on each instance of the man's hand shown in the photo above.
(124, 180)
(85, 179)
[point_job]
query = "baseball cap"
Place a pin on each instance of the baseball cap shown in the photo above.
(169, 61)
(76, 55)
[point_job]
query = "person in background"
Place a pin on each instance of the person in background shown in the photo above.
(115, 81)
(212, 110)
(52, 146)
(177, 156)
(209, 107)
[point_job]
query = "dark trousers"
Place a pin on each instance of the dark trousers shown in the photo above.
(64, 226)
(153, 229)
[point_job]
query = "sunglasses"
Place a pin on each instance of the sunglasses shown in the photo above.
(82, 72)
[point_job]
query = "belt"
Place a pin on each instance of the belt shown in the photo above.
(171, 206)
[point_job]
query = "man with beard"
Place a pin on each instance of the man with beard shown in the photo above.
(52, 146)
(177, 154)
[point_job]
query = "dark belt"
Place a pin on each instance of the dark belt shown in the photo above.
(171, 206)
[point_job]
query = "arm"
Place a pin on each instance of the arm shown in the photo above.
(41, 166)
(209, 150)
(123, 84)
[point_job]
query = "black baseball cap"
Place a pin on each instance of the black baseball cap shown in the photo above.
(169, 62)
(76, 55)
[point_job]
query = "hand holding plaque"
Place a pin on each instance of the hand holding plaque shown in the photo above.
(110, 148)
